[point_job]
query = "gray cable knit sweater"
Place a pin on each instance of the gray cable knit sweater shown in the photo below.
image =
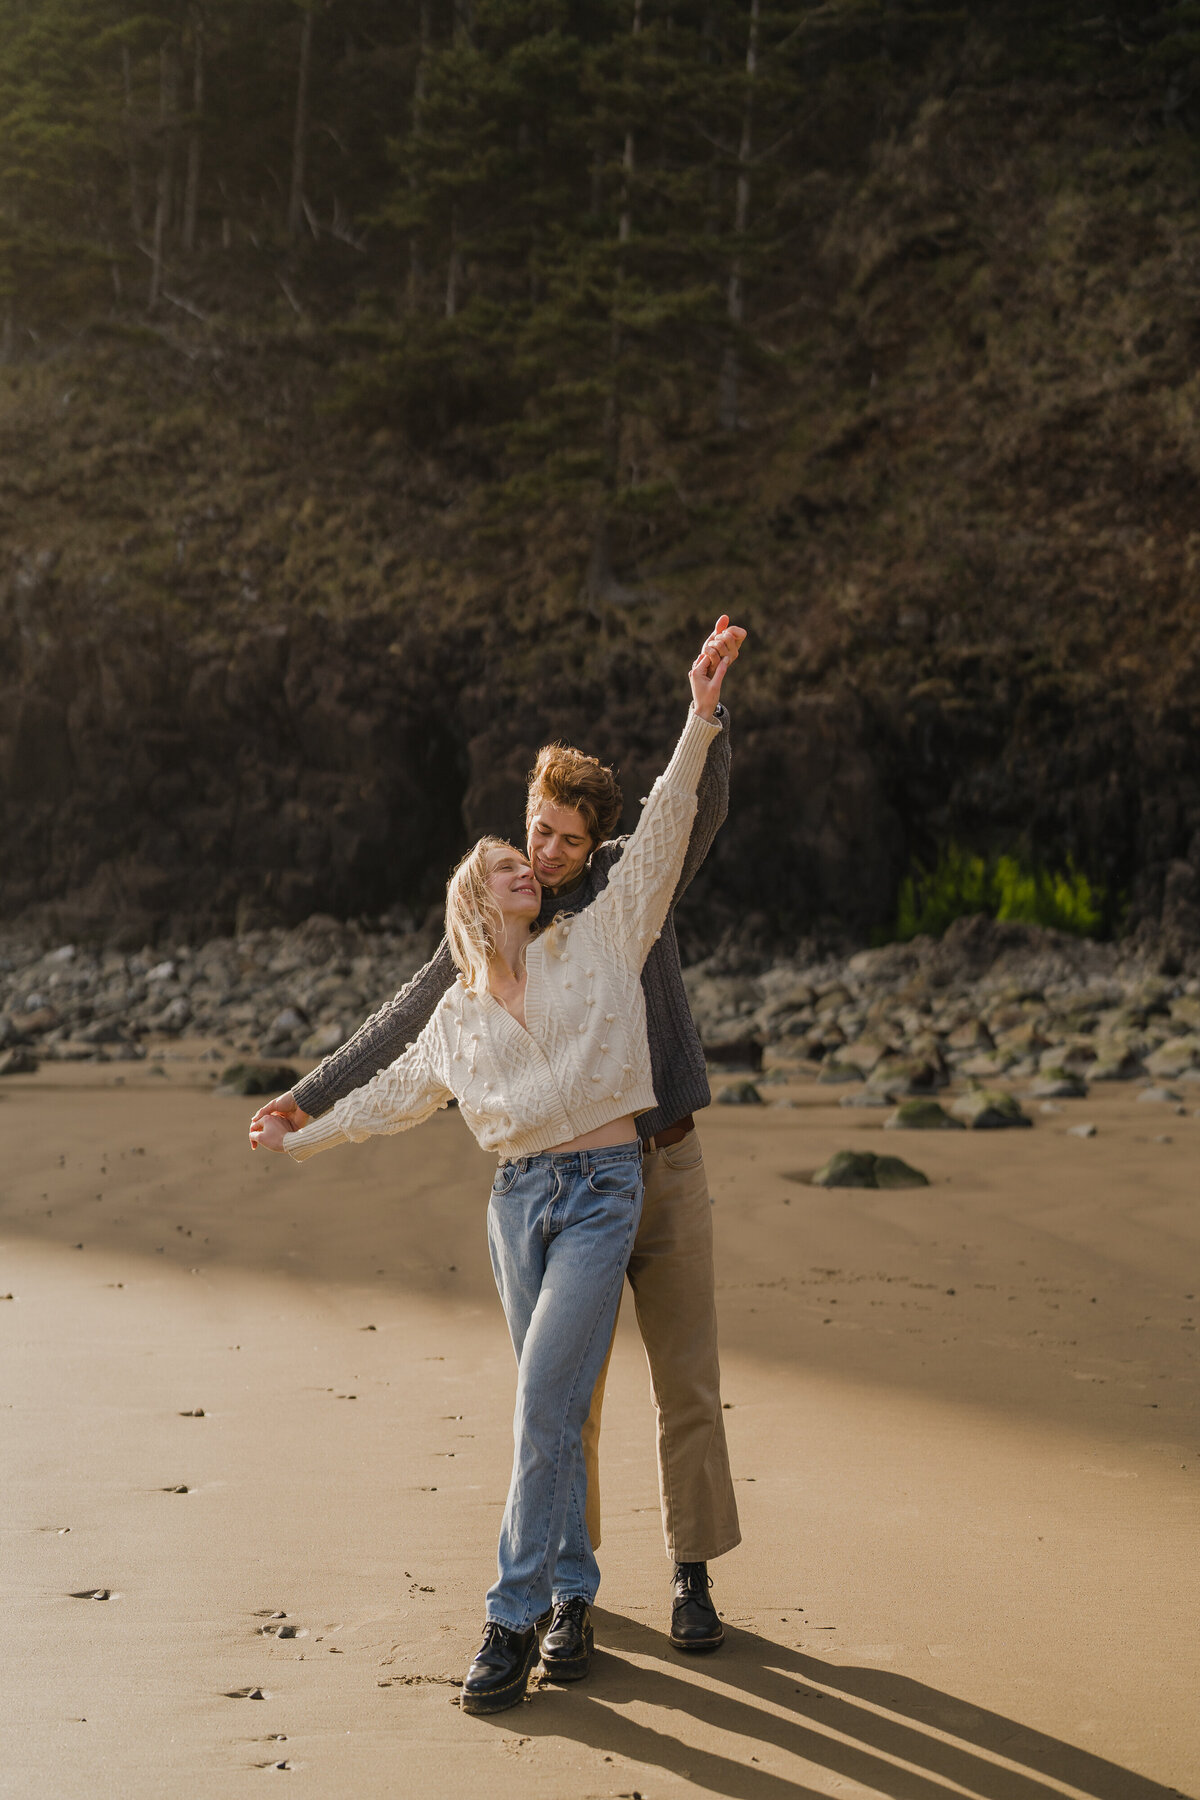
(676, 1057)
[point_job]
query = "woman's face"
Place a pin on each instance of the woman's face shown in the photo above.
(513, 884)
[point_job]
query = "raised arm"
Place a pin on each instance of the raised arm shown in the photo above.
(398, 1098)
(712, 805)
(631, 910)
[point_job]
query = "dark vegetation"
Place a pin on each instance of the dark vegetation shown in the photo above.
(389, 386)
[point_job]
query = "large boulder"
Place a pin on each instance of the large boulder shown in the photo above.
(987, 1109)
(252, 1078)
(863, 1169)
(922, 1115)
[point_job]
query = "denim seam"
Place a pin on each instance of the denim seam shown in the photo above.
(536, 1577)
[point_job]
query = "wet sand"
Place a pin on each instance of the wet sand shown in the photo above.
(963, 1422)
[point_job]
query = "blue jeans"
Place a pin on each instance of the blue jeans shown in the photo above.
(560, 1230)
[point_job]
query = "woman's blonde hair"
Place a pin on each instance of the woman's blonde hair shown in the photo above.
(473, 919)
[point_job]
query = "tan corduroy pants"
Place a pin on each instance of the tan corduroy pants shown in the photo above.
(671, 1274)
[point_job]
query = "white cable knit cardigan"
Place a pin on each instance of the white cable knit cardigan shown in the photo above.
(583, 1059)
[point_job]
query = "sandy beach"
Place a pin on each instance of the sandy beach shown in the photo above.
(261, 1414)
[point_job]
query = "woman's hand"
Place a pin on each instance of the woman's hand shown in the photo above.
(724, 640)
(287, 1109)
(269, 1129)
(708, 671)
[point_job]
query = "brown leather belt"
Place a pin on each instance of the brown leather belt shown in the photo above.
(670, 1134)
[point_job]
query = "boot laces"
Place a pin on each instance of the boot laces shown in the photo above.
(693, 1578)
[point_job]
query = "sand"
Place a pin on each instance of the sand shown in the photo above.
(962, 1418)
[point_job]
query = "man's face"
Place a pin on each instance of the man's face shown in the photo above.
(559, 845)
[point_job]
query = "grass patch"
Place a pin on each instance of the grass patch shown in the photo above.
(1002, 887)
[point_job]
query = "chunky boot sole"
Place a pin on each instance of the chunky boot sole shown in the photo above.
(495, 1700)
(569, 1668)
(699, 1646)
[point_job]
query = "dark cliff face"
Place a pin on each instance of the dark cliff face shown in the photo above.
(156, 783)
(258, 660)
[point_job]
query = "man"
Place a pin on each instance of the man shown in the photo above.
(573, 804)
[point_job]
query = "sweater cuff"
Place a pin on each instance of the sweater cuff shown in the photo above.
(317, 1135)
(686, 765)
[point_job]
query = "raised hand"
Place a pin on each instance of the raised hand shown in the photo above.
(724, 640)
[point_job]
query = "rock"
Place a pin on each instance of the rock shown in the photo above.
(987, 1109)
(922, 1115)
(834, 1072)
(1115, 1062)
(870, 1095)
(892, 1172)
(864, 1054)
(287, 1021)
(847, 1168)
(175, 1016)
(740, 1093)
(909, 1075)
(973, 1036)
(38, 1020)
(18, 1061)
(323, 1041)
(736, 1053)
(988, 1063)
(1167, 1096)
(1171, 1059)
(1081, 1131)
(1059, 1087)
(10, 1033)
(863, 1169)
(256, 1078)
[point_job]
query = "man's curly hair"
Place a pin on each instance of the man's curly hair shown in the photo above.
(563, 776)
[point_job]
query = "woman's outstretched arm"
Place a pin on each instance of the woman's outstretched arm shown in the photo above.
(398, 1098)
(631, 910)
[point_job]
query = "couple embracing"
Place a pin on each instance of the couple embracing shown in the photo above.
(554, 1013)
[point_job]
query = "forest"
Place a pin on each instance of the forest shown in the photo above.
(386, 387)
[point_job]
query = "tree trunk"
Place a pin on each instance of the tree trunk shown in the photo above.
(168, 94)
(735, 299)
(191, 197)
(416, 269)
(600, 581)
(612, 404)
(300, 131)
(135, 187)
(453, 267)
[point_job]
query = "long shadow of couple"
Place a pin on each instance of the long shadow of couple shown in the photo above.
(859, 1724)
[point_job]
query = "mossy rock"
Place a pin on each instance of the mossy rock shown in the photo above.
(834, 1072)
(256, 1078)
(893, 1172)
(987, 1109)
(863, 1169)
(922, 1115)
(740, 1093)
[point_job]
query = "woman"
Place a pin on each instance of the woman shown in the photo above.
(542, 1041)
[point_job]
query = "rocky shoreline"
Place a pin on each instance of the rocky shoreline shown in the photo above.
(986, 1002)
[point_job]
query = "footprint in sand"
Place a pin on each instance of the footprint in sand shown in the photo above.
(95, 1594)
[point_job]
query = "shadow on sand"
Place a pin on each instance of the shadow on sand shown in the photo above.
(857, 1724)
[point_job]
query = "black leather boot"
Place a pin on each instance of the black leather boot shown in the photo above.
(499, 1674)
(568, 1645)
(694, 1622)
